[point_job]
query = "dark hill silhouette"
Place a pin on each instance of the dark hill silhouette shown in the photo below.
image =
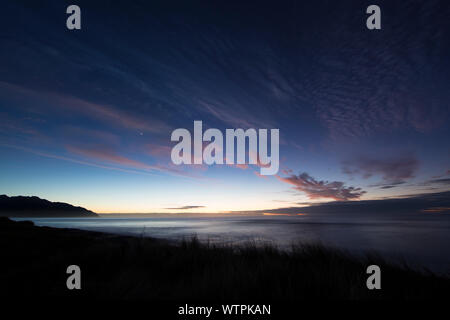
(36, 207)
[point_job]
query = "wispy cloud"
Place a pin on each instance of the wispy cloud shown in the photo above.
(445, 181)
(185, 207)
(316, 189)
(393, 171)
(232, 117)
(66, 105)
(110, 156)
(157, 150)
(108, 113)
(73, 160)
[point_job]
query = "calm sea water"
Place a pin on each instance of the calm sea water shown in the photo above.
(420, 242)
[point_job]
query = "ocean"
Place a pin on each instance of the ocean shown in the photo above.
(420, 242)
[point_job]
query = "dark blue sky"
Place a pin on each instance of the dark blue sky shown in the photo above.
(86, 115)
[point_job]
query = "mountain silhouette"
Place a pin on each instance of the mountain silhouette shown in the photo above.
(21, 206)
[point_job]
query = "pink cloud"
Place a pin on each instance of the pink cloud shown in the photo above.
(108, 113)
(316, 189)
(77, 161)
(157, 150)
(112, 157)
(108, 156)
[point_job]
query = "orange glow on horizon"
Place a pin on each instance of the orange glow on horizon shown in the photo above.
(436, 209)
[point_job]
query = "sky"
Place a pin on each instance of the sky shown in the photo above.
(86, 115)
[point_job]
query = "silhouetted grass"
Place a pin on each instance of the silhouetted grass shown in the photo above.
(34, 262)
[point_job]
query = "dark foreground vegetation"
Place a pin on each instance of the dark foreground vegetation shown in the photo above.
(34, 262)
